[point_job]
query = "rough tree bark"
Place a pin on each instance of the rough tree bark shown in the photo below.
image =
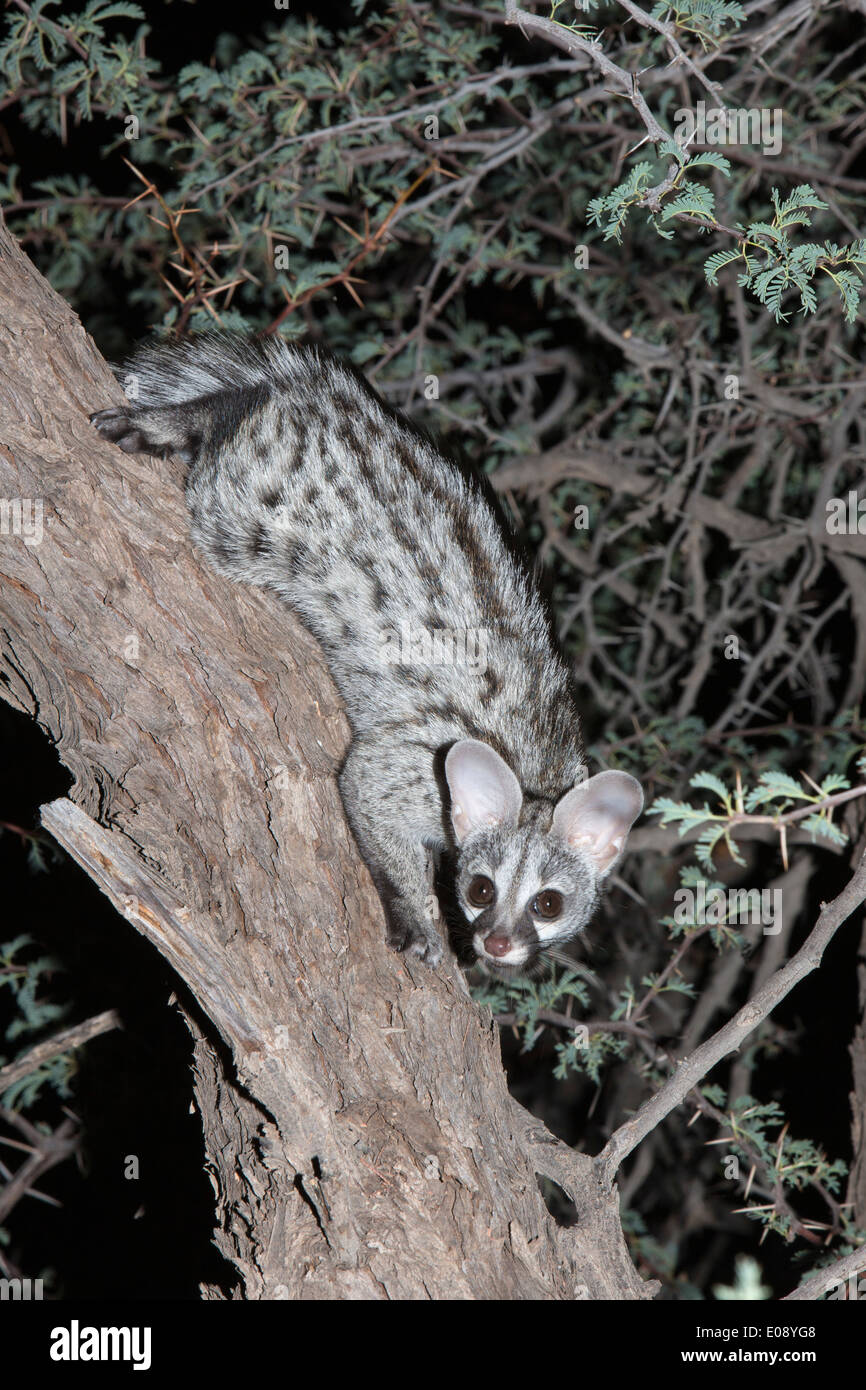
(360, 1137)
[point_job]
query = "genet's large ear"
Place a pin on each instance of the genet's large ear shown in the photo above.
(484, 790)
(597, 816)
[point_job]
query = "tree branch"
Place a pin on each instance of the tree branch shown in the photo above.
(835, 1273)
(65, 1041)
(573, 43)
(692, 1069)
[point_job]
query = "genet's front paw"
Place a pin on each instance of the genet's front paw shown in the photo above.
(428, 949)
(412, 938)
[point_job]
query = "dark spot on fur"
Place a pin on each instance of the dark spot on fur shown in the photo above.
(380, 593)
(402, 534)
(428, 572)
(258, 540)
(406, 457)
(229, 412)
(368, 473)
(298, 556)
(221, 549)
(449, 712)
(492, 683)
(299, 450)
(348, 435)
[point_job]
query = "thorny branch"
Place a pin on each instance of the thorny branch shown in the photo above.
(692, 1069)
(44, 1151)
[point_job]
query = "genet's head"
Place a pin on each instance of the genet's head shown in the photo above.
(529, 873)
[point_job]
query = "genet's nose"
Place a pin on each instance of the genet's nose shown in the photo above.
(497, 945)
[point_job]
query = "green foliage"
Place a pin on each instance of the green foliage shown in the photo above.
(613, 208)
(60, 62)
(591, 35)
(56, 1075)
(589, 1056)
(25, 974)
(24, 978)
(775, 789)
(526, 999)
(773, 265)
(232, 137)
(748, 1286)
(523, 1004)
(655, 1258)
(773, 269)
(759, 1135)
(722, 933)
(706, 19)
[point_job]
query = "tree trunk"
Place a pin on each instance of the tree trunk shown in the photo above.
(360, 1137)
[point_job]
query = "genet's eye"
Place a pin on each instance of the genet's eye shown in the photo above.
(481, 891)
(548, 904)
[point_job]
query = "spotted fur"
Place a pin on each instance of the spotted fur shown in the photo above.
(301, 479)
